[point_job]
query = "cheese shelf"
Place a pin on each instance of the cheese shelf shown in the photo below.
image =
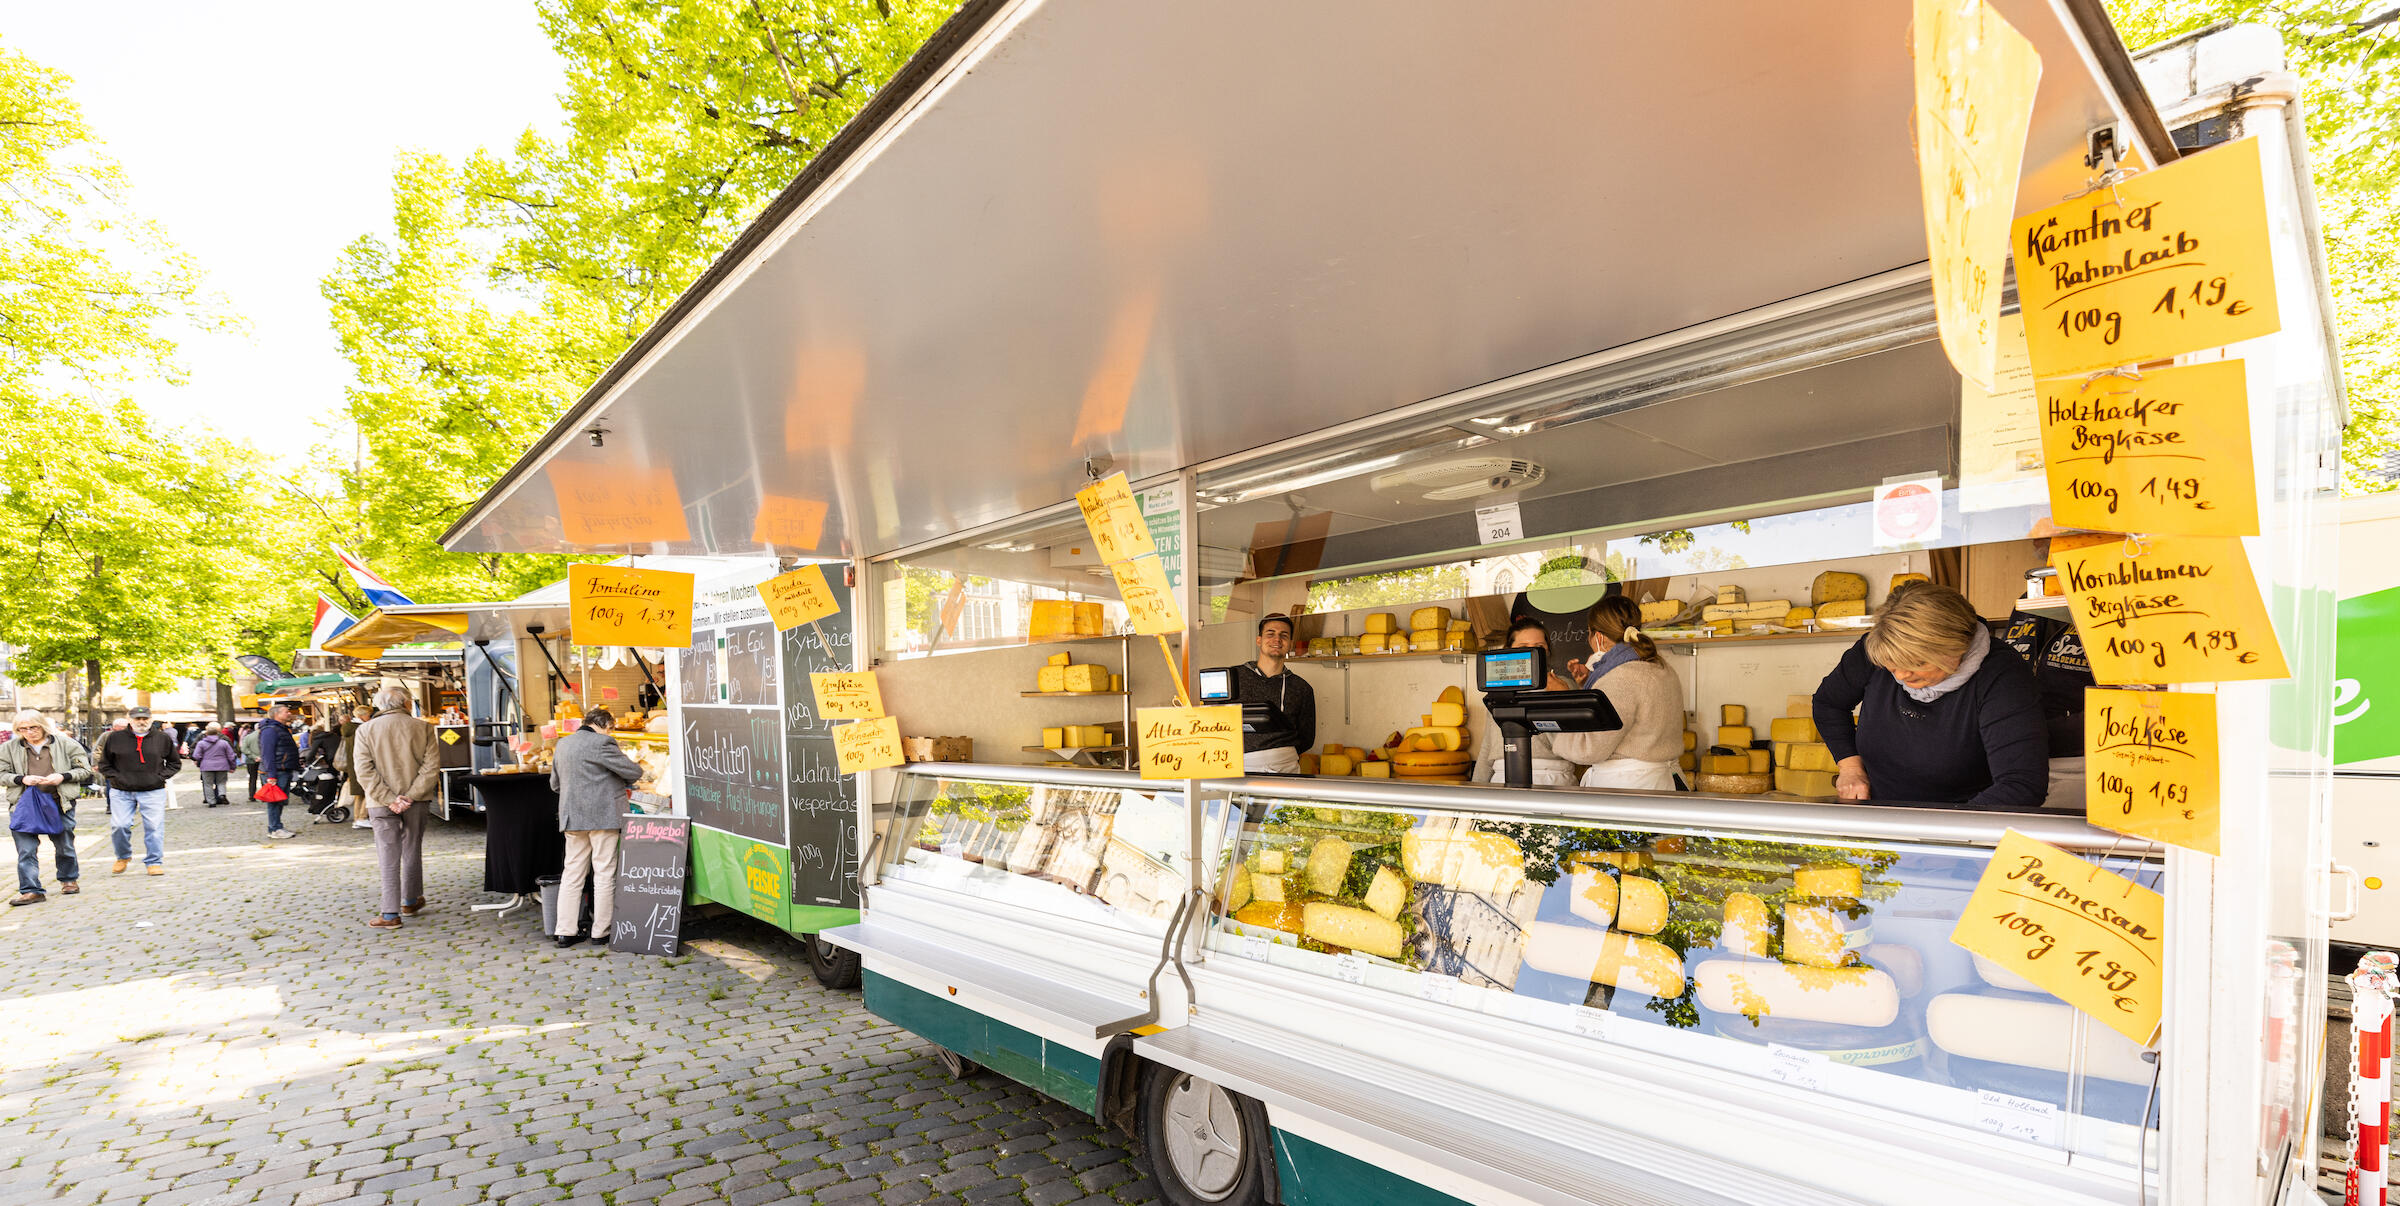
(1754, 638)
(1072, 694)
(1450, 655)
(1072, 750)
(1079, 640)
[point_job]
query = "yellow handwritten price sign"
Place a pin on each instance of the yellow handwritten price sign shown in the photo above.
(2179, 264)
(1976, 77)
(611, 506)
(2172, 609)
(618, 605)
(847, 695)
(2095, 940)
(866, 745)
(2150, 765)
(1115, 520)
(2167, 453)
(789, 523)
(1191, 743)
(797, 598)
(1142, 583)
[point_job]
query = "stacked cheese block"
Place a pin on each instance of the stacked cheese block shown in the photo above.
(1731, 613)
(1062, 618)
(1661, 612)
(1062, 675)
(1077, 736)
(1803, 765)
(1838, 595)
(1731, 766)
(1827, 973)
(1435, 749)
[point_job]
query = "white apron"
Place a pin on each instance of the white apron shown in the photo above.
(1283, 760)
(1547, 772)
(2067, 785)
(1631, 774)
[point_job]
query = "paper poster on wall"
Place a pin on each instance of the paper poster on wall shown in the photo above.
(2169, 609)
(2150, 765)
(621, 605)
(1190, 743)
(1907, 512)
(2000, 431)
(2173, 260)
(1975, 81)
(2165, 451)
(1162, 516)
(2094, 939)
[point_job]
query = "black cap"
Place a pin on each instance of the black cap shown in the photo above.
(141, 710)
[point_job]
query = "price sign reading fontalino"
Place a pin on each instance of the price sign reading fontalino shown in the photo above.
(2094, 939)
(618, 605)
(847, 695)
(1142, 583)
(2180, 263)
(1975, 83)
(866, 744)
(2169, 452)
(2185, 610)
(2150, 765)
(1115, 520)
(798, 597)
(1191, 743)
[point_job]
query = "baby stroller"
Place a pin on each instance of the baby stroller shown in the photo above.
(319, 789)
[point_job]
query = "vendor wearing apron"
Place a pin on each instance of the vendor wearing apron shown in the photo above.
(1270, 682)
(1549, 770)
(1640, 756)
(1946, 714)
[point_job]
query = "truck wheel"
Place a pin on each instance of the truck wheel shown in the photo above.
(1206, 1146)
(833, 966)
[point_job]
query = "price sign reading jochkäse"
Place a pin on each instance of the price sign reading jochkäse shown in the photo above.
(2150, 765)
(2169, 452)
(2179, 609)
(1191, 743)
(2094, 939)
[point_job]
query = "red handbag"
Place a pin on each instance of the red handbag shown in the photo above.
(271, 793)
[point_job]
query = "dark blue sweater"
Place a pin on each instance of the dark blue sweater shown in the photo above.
(1983, 743)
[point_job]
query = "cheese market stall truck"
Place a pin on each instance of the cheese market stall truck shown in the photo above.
(1640, 305)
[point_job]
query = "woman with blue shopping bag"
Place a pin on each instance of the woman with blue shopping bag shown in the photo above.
(42, 773)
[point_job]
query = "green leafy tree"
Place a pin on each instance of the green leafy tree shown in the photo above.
(2347, 54)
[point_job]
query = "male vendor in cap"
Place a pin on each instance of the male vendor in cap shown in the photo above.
(1269, 681)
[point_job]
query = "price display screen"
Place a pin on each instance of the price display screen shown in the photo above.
(1509, 669)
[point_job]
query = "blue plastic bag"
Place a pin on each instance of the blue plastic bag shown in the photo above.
(37, 812)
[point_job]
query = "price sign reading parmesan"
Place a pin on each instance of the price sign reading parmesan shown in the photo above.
(1975, 83)
(2150, 765)
(2184, 610)
(2169, 452)
(1191, 743)
(1115, 520)
(618, 605)
(2093, 939)
(2171, 261)
(1142, 583)
(847, 695)
(799, 597)
(866, 745)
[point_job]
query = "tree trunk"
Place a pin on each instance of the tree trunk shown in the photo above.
(92, 720)
(224, 702)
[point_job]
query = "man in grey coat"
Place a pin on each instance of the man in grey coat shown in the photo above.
(40, 756)
(399, 767)
(593, 777)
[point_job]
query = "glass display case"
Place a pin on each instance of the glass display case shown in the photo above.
(1824, 963)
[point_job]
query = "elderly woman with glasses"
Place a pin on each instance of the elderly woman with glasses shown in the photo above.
(1946, 714)
(35, 755)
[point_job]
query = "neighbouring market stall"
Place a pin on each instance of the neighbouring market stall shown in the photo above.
(1643, 305)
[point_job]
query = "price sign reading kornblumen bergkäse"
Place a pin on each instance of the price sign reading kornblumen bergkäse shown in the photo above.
(2173, 609)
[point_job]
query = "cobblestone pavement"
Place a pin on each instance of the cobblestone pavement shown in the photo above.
(232, 1031)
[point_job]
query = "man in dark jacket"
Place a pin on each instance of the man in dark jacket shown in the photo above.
(279, 762)
(136, 762)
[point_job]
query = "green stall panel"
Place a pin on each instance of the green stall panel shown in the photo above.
(1313, 1174)
(1022, 1056)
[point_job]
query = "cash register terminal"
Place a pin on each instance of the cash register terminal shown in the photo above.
(1512, 682)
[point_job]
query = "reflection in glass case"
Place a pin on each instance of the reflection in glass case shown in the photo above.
(1111, 855)
(1827, 966)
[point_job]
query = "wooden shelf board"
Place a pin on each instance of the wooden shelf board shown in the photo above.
(1461, 655)
(1073, 750)
(1076, 640)
(1830, 634)
(1072, 694)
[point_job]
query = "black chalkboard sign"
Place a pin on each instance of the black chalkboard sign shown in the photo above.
(733, 771)
(652, 859)
(823, 801)
(750, 666)
(696, 682)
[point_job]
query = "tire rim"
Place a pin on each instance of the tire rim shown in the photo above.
(1203, 1138)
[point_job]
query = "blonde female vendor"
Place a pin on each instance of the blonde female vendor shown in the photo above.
(1549, 770)
(1625, 667)
(1946, 714)
(1270, 682)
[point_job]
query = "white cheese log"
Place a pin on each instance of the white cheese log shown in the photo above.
(1604, 957)
(1851, 996)
(2029, 1034)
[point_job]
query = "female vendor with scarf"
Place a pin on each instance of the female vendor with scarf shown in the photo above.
(1946, 714)
(1647, 696)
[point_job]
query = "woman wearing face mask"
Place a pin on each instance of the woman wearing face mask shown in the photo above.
(1625, 667)
(1549, 770)
(1946, 714)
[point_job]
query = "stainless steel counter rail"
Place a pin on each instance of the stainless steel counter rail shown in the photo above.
(1632, 809)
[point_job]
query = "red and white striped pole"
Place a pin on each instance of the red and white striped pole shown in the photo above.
(2372, 988)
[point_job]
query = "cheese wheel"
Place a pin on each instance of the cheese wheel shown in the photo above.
(1733, 785)
(1814, 784)
(1761, 761)
(1836, 586)
(2030, 1034)
(1449, 715)
(1308, 764)
(1726, 764)
(1660, 612)
(1604, 957)
(1050, 678)
(1052, 618)
(1355, 929)
(1380, 624)
(1335, 764)
(1745, 929)
(1843, 609)
(1357, 753)
(1691, 740)
(1592, 895)
(1425, 640)
(1375, 768)
(1086, 678)
(1439, 761)
(1900, 580)
(1641, 905)
(1373, 642)
(1054, 738)
(1345, 646)
(1792, 728)
(1091, 619)
(1799, 616)
(1850, 996)
(1320, 647)
(1237, 889)
(1436, 618)
(1690, 761)
(1060, 659)
(1736, 736)
(1733, 714)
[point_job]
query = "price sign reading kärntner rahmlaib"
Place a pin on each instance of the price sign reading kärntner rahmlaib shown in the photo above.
(2168, 451)
(2169, 609)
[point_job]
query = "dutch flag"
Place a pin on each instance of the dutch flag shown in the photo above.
(331, 621)
(379, 593)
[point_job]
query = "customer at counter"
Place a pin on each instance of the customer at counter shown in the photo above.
(1549, 770)
(1946, 714)
(1268, 681)
(1641, 755)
